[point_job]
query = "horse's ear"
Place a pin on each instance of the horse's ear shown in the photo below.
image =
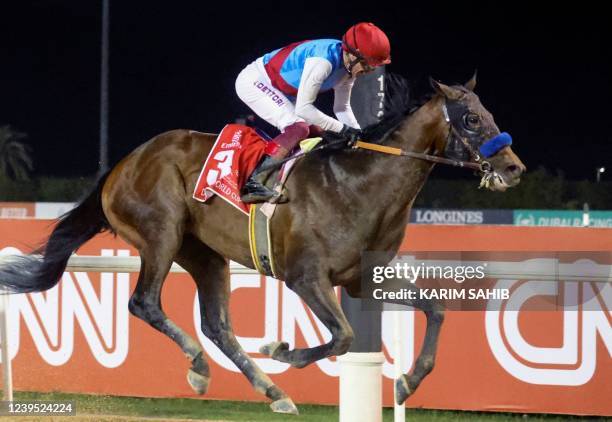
(445, 90)
(471, 84)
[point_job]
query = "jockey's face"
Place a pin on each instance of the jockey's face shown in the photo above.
(359, 68)
(362, 67)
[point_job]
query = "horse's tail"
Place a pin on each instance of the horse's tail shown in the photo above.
(35, 272)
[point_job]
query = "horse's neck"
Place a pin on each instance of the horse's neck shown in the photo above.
(422, 131)
(398, 180)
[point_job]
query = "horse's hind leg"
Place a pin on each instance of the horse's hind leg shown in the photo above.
(144, 201)
(211, 273)
(145, 303)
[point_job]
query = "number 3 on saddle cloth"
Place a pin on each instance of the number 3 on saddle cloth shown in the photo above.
(233, 158)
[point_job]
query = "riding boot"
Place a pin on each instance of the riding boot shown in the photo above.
(255, 189)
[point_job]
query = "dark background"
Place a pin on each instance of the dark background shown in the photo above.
(543, 73)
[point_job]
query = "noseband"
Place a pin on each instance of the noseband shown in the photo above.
(457, 143)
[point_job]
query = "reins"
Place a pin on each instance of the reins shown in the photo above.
(478, 164)
(484, 166)
(419, 155)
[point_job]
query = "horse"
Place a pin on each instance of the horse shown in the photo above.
(341, 202)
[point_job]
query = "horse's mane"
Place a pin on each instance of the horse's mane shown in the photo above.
(398, 104)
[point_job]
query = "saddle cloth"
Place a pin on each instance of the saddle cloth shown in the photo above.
(235, 154)
(233, 158)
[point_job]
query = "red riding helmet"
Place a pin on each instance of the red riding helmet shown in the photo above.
(367, 42)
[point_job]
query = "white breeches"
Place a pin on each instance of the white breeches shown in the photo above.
(254, 87)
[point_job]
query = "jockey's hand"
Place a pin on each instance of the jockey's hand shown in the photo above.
(352, 135)
(315, 131)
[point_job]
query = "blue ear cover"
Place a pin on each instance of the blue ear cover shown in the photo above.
(493, 145)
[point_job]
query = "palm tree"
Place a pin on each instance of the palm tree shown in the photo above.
(15, 158)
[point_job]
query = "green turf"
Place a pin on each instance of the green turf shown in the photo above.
(247, 411)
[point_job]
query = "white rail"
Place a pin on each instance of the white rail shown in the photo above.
(540, 269)
(535, 270)
(121, 264)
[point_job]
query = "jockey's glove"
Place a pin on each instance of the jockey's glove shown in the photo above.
(352, 135)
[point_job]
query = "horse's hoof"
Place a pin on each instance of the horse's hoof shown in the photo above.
(284, 406)
(272, 349)
(402, 391)
(198, 382)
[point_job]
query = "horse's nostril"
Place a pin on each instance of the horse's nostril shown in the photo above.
(513, 169)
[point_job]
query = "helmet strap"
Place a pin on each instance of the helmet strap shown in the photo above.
(351, 51)
(351, 65)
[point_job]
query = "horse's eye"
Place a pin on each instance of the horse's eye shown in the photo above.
(471, 120)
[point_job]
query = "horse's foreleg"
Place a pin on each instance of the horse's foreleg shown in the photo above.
(408, 383)
(434, 312)
(145, 304)
(213, 279)
(321, 299)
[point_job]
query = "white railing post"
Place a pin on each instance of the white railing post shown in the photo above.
(399, 410)
(361, 387)
(7, 375)
(361, 367)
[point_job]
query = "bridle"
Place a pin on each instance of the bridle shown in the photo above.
(455, 143)
(459, 134)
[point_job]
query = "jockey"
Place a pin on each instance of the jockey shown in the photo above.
(282, 86)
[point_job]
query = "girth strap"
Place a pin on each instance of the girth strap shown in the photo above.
(260, 241)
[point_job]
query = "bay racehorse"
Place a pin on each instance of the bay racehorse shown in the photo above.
(341, 202)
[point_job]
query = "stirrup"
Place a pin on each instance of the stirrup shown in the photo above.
(254, 192)
(255, 189)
